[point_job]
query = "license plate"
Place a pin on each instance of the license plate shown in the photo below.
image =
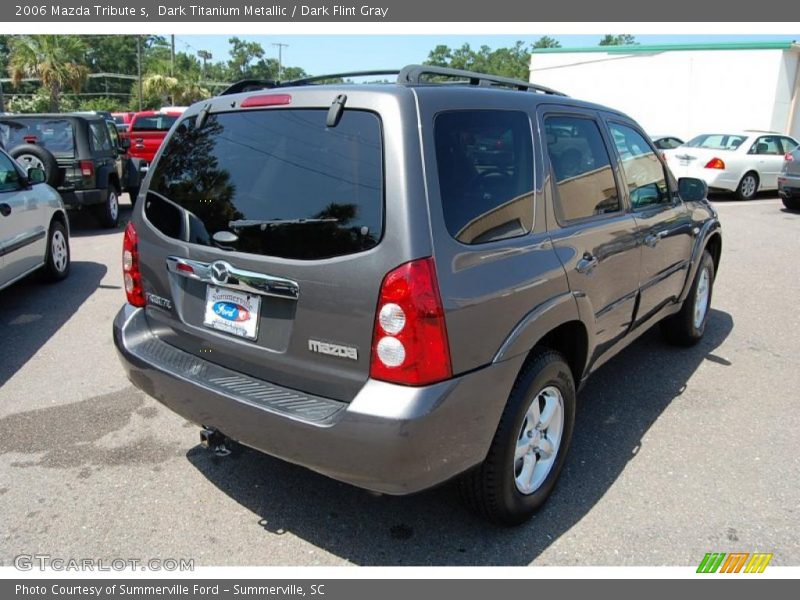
(232, 312)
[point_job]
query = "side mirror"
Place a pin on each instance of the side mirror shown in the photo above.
(36, 175)
(692, 189)
(124, 143)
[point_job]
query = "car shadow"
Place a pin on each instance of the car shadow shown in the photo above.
(615, 410)
(83, 223)
(32, 311)
(732, 198)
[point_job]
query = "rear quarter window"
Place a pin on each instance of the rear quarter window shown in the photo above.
(280, 180)
(485, 170)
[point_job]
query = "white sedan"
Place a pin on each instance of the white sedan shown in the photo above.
(742, 162)
(34, 231)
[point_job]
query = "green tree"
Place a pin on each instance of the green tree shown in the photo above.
(547, 42)
(57, 60)
(623, 39)
(508, 62)
(243, 53)
(162, 89)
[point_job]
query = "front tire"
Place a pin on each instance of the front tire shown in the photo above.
(57, 258)
(748, 187)
(529, 446)
(108, 211)
(686, 327)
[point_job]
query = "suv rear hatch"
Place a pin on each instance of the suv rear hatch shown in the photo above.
(294, 211)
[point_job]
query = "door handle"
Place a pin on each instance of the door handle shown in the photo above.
(652, 239)
(5, 209)
(587, 263)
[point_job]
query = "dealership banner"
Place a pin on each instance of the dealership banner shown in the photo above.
(373, 589)
(496, 11)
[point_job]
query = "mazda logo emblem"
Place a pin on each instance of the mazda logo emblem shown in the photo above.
(219, 272)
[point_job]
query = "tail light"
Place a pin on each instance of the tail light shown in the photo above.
(715, 163)
(409, 343)
(130, 266)
(87, 168)
(788, 157)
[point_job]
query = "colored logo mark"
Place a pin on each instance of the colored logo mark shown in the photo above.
(734, 562)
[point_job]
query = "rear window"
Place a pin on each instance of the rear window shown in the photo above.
(56, 135)
(717, 141)
(272, 182)
(154, 123)
(485, 165)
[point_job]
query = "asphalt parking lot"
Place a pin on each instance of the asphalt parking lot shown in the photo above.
(676, 452)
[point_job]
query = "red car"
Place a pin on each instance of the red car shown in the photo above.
(146, 132)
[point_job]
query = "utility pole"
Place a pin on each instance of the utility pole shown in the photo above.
(139, 67)
(172, 56)
(280, 58)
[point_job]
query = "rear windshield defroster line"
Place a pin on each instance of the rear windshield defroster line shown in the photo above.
(315, 192)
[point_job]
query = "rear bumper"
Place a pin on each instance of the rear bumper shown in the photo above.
(716, 179)
(391, 438)
(76, 198)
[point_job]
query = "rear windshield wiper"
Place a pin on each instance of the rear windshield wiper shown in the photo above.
(264, 223)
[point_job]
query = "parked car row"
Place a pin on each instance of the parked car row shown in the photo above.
(742, 162)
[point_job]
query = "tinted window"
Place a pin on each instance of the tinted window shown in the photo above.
(717, 141)
(581, 168)
(55, 135)
(485, 166)
(668, 143)
(9, 175)
(280, 180)
(154, 123)
(644, 173)
(769, 145)
(788, 144)
(98, 137)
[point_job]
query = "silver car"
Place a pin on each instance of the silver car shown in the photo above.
(34, 231)
(789, 180)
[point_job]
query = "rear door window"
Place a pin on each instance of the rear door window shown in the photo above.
(485, 167)
(98, 139)
(280, 181)
(581, 168)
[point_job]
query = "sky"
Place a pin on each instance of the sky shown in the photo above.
(322, 54)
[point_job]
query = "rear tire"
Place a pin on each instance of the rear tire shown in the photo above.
(108, 212)
(534, 433)
(686, 327)
(748, 187)
(31, 155)
(57, 258)
(791, 203)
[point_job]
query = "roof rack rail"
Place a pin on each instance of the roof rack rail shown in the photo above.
(414, 74)
(316, 78)
(408, 75)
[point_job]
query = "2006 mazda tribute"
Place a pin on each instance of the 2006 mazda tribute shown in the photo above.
(397, 284)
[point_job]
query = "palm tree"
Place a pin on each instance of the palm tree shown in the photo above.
(54, 59)
(180, 90)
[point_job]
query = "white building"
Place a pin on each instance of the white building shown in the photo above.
(686, 89)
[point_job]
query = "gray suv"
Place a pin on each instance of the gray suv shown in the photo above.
(399, 284)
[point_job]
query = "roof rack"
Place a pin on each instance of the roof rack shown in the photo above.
(414, 74)
(408, 75)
